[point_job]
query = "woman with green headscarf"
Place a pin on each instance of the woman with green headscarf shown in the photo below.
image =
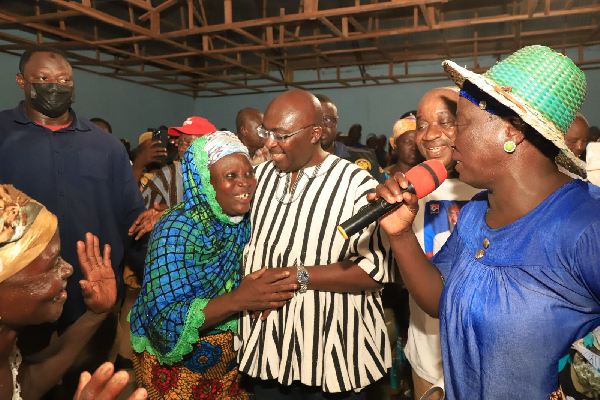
(184, 322)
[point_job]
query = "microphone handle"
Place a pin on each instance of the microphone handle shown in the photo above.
(370, 214)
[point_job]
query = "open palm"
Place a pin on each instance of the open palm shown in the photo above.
(98, 287)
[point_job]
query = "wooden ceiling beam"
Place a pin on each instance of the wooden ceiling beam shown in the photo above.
(112, 50)
(414, 57)
(291, 18)
(138, 29)
(83, 60)
(448, 24)
(569, 4)
(251, 37)
(227, 11)
(468, 41)
(226, 40)
(332, 27)
(428, 14)
(358, 26)
(235, 73)
(46, 17)
(159, 9)
(531, 6)
(141, 4)
(506, 18)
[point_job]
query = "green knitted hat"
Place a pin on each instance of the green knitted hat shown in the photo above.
(542, 86)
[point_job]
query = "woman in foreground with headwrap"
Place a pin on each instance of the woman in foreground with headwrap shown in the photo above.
(518, 281)
(33, 278)
(184, 322)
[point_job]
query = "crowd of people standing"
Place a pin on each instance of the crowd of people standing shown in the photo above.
(214, 258)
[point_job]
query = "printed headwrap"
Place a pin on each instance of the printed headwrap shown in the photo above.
(221, 144)
(26, 228)
(403, 125)
(194, 255)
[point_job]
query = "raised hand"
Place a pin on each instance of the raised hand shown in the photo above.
(146, 220)
(98, 287)
(399, 220)
(148, 153)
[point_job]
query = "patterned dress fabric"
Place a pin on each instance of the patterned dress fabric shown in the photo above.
(208, 372)
(194, 255)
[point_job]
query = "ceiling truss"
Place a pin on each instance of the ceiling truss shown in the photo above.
(204, 48)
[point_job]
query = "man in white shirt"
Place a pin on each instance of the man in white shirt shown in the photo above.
(331, 337)
(436, 127)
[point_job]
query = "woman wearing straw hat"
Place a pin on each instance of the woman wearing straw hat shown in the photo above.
(518, 280)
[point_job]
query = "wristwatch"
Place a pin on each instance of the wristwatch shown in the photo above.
(302, 276)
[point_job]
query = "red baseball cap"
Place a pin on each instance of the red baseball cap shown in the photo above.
(193, 126)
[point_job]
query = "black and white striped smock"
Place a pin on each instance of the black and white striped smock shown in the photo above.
(334, 340)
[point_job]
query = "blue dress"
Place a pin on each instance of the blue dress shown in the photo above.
(508, 317)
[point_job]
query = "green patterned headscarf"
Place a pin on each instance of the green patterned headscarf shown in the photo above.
(194, 255)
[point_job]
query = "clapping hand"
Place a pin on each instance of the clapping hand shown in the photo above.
(98, 287)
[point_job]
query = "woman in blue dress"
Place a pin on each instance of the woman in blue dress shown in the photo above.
(518, 280)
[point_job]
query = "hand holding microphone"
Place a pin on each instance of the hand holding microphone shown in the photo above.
(421, 180)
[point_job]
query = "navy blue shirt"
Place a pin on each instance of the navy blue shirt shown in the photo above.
(363, 157)
(82, 174)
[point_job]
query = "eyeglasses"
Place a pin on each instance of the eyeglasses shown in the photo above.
(278, 137)
(330, 121)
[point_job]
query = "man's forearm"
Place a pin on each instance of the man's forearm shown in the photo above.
(343, 277)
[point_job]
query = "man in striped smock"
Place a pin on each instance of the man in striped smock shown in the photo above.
(331, 337)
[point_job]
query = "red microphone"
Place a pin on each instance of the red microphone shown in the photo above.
(422, 180)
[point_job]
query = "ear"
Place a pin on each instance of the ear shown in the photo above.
(316, 135)
(20, 80)
(515, 130)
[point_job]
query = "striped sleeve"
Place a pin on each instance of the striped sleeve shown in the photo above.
(371, 243)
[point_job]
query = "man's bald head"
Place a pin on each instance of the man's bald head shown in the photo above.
(295, 111)
(297, 104)
(245, 114)
(246, 122)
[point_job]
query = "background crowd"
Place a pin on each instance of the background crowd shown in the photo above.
(206, 264)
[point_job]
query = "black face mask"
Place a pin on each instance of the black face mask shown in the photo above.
(52, 99)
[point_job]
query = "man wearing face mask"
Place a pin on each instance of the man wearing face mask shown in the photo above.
(80, 173)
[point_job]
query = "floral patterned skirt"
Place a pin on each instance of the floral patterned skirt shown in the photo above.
(209, 372)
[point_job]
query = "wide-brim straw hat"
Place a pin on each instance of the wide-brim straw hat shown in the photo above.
(545, 88)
